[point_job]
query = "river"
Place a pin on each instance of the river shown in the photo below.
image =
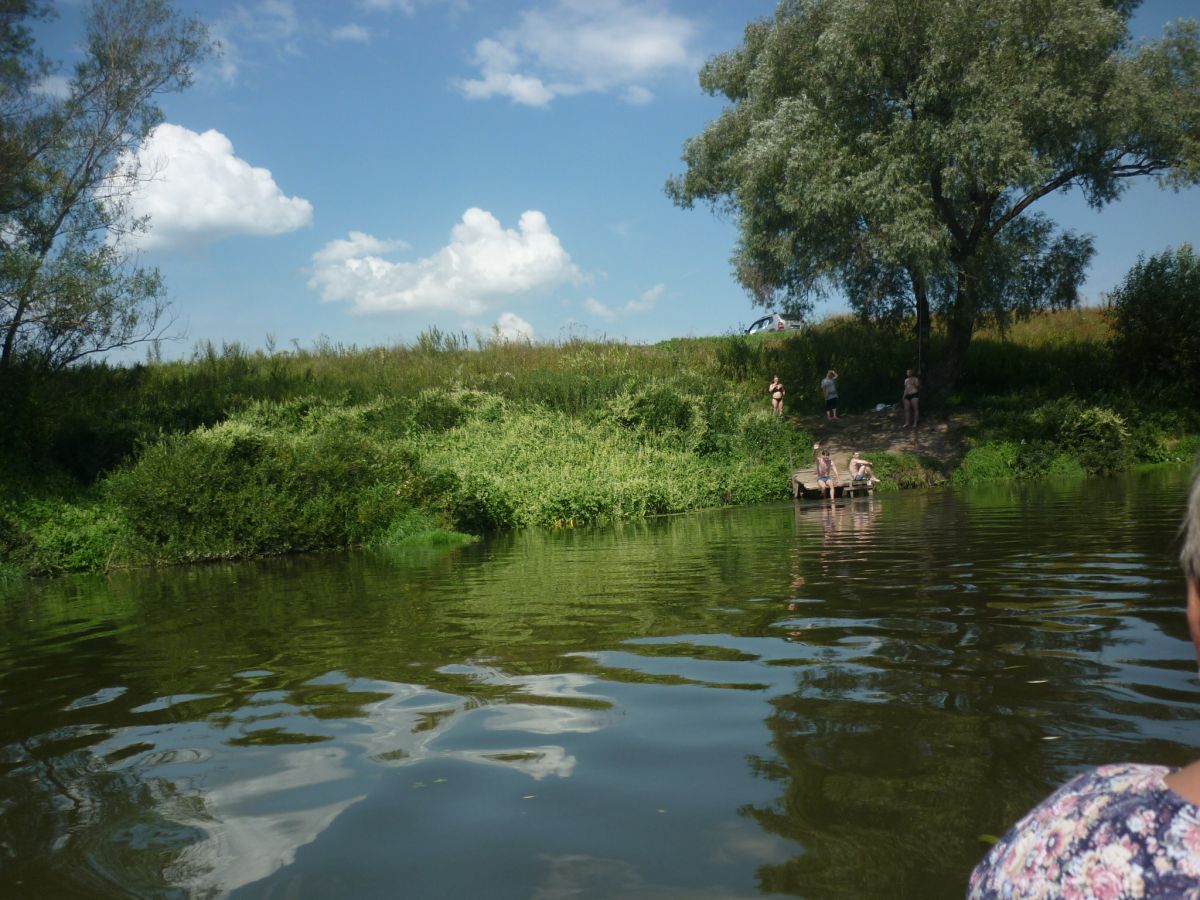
(808, 700)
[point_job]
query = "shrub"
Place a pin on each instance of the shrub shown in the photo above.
(987, 462)
(905, 470)
(1099, 439)
(57, 535)
(1154, 313)
(240, 489)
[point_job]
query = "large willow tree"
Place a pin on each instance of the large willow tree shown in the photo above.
(68, 288)
(894, 149)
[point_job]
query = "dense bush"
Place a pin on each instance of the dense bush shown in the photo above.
(56, 535)
(1156, 317)
(240, 489)
(988, 462)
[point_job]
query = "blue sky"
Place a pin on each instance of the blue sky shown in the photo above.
(363, 170)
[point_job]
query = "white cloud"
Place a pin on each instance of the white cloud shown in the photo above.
(511, 327)
(408, 7)
(268, 24)
(644, 303)
(636, 95)
(596, 308)
(575, 46)
(351, 32)
(647, 301)
(197, 191)
(482, 262)
(57, 87)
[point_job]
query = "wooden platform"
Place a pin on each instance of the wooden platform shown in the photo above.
(804, 486)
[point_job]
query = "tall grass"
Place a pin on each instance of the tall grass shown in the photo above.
(237, 452)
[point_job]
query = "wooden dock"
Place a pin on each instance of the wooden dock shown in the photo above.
(804, 486)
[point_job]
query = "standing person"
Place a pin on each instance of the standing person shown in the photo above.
(911, 397)
(1123, 830)
(827, 473)
(829, 386)
(775, 389)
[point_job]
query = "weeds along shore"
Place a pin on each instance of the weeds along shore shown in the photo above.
(236, 453)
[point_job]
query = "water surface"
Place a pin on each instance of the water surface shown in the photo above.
(806, 700)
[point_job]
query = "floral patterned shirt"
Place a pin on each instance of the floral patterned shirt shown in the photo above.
(1114, 832)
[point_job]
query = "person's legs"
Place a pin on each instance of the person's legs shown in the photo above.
(916, 410)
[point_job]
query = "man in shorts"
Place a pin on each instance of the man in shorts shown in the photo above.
(829, 386)
(827, 473)
(862, 469)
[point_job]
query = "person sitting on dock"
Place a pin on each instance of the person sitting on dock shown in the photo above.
(862, 470)
(827, 473)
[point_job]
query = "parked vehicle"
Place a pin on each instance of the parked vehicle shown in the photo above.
(771, 322)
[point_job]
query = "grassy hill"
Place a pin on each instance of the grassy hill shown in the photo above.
(238, 453)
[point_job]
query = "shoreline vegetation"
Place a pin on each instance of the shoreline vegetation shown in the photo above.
(237, 453)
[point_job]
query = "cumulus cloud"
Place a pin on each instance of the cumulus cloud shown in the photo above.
(642, 304)
(511, 327)
(482, 262)
(351, 32)
(195, 190)
(575, 46)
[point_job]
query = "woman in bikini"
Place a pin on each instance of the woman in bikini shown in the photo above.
(911, 396)
(775, 389)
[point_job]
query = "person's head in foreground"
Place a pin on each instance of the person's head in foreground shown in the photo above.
(1122, 830)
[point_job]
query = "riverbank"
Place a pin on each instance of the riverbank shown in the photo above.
(236, 454)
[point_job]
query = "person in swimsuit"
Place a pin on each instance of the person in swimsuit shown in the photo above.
(911, 396)
(775, 389)
(862, 469)
(829, 386)
(1123, 830)
(827, 473)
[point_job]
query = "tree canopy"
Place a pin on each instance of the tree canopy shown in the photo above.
(893, 149)
(68, 286)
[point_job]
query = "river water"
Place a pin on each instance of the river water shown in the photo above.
(808, 700)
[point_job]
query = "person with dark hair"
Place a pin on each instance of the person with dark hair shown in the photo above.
(827, 473)
(776, 391)
(1122, 830)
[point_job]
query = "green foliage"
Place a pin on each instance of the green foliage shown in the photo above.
(413, 527)
(67, 289)
(1156, 318)
(893, 152)
(237, 453)
(240, 488)
(539, 467)
(897, 471)
(57, 535)
(988, 462)
(1099, 439)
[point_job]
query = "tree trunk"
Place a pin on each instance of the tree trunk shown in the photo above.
(924, 325)
(960, 327)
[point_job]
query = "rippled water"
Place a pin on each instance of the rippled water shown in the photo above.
(817, 701)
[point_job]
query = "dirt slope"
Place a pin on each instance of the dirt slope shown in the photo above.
(941, 438)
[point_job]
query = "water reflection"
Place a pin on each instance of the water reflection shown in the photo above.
(820, 699)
